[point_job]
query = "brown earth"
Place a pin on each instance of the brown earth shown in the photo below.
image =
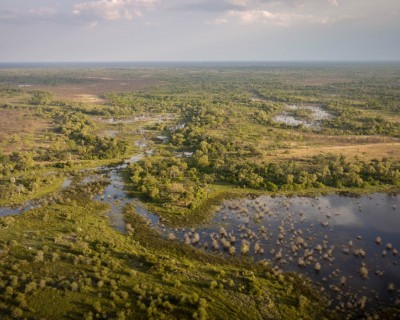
(95, 88)
(19, 128)
(362, 151)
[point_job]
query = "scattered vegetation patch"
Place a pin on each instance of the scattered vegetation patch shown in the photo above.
(198, 136)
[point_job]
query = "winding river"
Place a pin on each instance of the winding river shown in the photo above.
(348, 246)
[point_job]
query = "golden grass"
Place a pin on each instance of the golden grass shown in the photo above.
(91, 92)
(363, 151)
(304, 145)
(20, 128)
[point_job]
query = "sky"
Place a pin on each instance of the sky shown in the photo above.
(199, 30)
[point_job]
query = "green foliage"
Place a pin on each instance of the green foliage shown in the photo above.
(64, 259)
(332, 171)
(111, 275)
(40, 98)
(76, 126)
(168, 179)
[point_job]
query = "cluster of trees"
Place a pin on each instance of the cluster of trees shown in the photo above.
(18, 187)
(333, 171)
(178, 181)
(20, 161)
(169, 180)
(345, 120)
(9, 91)
(40, 98)
(76, 126)
(226, 159)
(14, 163)
(144, 102)
(229, 159)
(12, 187)
(348, 122)
(74, 141)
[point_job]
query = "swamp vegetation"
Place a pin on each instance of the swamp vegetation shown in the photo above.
(182, 141)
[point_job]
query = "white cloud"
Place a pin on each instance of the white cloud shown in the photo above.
(285, 13)
(250, 16)
(283, 19)
(113, 10)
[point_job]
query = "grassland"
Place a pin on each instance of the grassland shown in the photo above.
(64, 261)
(203, 135)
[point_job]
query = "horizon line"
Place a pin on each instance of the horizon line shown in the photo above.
(192, 63)
(202, 61)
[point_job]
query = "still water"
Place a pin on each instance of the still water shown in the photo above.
(346, 245)
(317, 115)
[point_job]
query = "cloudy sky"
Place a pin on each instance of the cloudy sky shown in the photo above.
(199, 30)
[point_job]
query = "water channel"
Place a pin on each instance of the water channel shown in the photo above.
(348, 246)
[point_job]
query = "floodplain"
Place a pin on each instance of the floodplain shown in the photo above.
(205, 192)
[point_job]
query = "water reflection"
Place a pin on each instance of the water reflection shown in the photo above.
(14, 210)
(331, 239)
(316, 116)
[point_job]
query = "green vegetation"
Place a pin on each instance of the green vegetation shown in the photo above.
(201, 135)
(228, 138)
(63, 260)
(40, 98)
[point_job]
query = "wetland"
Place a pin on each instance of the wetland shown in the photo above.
(187, 197)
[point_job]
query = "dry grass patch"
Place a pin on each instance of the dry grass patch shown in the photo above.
(347, 140)
(93, 90)
(301, 146)
(363, 151)
(19, 129)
